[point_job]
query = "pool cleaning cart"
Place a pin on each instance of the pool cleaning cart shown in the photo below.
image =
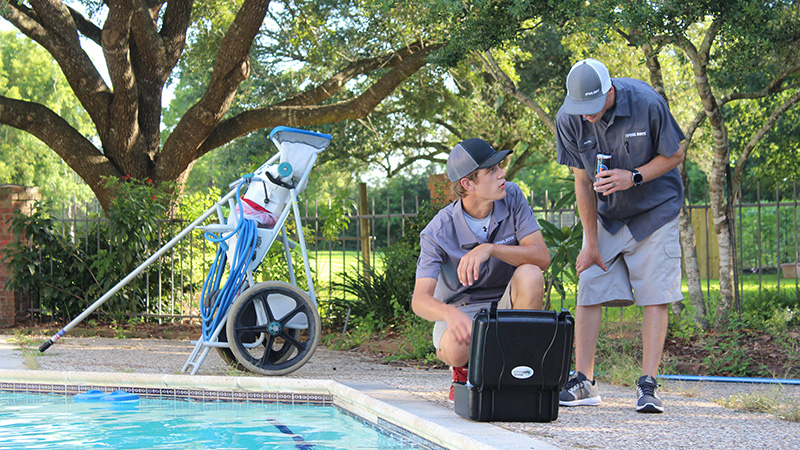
(272, 327)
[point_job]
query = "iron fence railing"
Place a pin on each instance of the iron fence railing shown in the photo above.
(767, 236)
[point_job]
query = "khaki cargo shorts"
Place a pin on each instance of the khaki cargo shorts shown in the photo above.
(642, 273)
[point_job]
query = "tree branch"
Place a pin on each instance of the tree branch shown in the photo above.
(177, 18)
(81, 74)
(77, 151)
(332, 85)
(86, 28)
(756, 138)
(299, 116)
(150, 49)
(123, 111)
(231, 67)
(776, 86)
(510, 88)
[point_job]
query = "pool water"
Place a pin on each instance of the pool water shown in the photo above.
(55, 421)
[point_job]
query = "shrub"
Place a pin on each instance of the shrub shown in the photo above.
(771, 310)
(383, 297)
(47, 265)
(68, 274)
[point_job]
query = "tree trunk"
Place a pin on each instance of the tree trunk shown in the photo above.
(719, 210)
(691, 268)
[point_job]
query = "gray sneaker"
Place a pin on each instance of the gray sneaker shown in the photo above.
(580, 392)
(648, 401)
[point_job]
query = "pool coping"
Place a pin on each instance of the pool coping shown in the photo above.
(378, 404)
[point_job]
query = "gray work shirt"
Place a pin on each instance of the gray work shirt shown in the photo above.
(638, 128)
(447, 238)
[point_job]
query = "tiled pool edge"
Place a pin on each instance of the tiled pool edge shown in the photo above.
(287, 390)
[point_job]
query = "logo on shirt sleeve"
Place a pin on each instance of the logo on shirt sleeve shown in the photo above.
(505, 241)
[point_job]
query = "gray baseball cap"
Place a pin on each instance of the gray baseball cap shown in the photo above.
(470, 155)
(588, 83)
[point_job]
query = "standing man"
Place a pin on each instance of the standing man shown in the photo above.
(484, 247)
(631, 241)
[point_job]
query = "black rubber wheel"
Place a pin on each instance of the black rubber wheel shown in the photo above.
(279, 352)
(273, 328)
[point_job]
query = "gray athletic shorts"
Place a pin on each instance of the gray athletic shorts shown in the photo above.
(471, 310)
(644, 273)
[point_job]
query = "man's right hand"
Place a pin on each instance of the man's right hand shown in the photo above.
(588, 257)
(459, 324)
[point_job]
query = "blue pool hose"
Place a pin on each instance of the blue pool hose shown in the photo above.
(213, 314)
(720, 379)
(753, 380)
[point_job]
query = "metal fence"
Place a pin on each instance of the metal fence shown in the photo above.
(767, 233)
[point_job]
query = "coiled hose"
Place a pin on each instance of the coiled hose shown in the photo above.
(213, 313)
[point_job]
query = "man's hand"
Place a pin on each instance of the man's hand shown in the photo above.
(470, 266)
(459, 325)
(588, 257)
(610, 181)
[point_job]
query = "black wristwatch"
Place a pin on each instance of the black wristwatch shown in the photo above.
(637, 177)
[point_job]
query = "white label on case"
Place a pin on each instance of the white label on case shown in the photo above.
(522, 372)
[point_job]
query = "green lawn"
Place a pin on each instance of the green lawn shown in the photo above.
(751, 284)
(329, 265)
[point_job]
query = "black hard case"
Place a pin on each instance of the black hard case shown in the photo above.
(508, 342)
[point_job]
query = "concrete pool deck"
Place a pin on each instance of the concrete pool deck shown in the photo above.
(692, 418)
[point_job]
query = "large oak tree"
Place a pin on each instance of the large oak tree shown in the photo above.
(143, 42)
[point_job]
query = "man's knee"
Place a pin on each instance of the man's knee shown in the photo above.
(527, 287)
(528, 274)
(451, 352)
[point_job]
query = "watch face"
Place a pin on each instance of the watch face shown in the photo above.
(637, 178)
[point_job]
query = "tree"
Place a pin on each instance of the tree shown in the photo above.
(737, 50)
(433, 113)
(144, 42)
(745, 50)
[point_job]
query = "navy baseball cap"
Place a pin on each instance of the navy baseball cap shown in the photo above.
(588, 83)
(470, 155)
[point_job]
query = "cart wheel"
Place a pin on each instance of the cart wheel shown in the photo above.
(273, 328)
(280, 351)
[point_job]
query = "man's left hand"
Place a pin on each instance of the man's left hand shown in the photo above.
(609, 181)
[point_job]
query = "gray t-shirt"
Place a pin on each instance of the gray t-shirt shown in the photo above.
(638, 128)
(447, 238)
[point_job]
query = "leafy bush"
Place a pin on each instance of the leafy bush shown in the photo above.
(67, 274)
(564, 245)
(771, 310)
(136, 214)
(47, 265)
(383, 297)
(376, 293)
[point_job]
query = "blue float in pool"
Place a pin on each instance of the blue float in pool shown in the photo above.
(99, 396)
(119, 396)
(89, 396)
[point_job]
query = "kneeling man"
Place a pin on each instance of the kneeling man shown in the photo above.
(485, 246)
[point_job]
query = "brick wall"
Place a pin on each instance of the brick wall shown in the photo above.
(12, 198)
(439, 186)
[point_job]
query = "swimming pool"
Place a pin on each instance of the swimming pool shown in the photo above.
(267, 390)
(43, 420)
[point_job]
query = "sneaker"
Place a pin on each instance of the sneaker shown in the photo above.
(460, 377)
(648, 401)
(580, 392)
